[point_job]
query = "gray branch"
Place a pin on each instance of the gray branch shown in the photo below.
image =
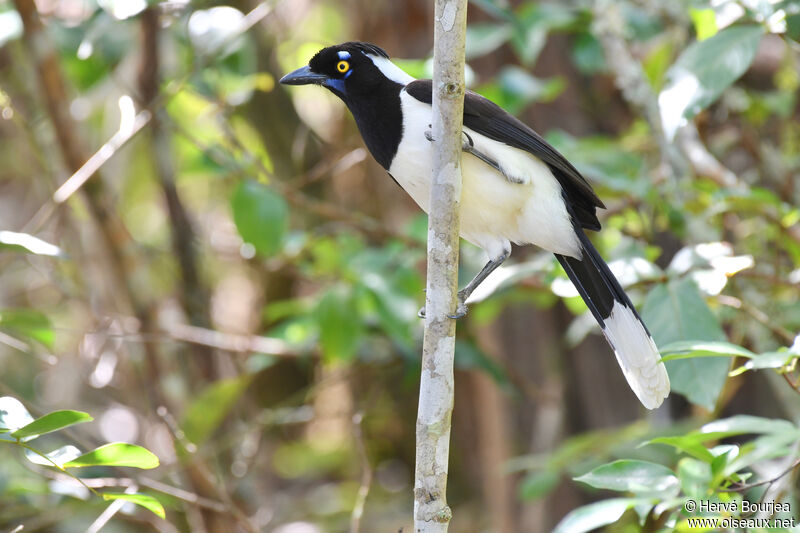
(431, 513)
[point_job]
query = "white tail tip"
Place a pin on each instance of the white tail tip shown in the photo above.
(637, 356)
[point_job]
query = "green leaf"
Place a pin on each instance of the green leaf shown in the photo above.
(602, 159)
(705, 22)
(533, 22)
(484, 38)
(588, 55)
(116, 454)
(29, 324)
(695, 477)
(657, 62)
(724, 453)
(13, 241)
(595, 515)
(686, 444)
(763, 448)
(339, 326)
(261, 216)
(676, 311)
(537, 485)
(743, 424)
(143, 500)
(515, 88)
(766, 360)
(52, 422)
(209, 409)
(640, 477)
(793, 26)
(690, 349)
(703, 71)
(470, 356)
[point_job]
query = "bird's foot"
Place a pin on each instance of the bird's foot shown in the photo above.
(461, 308)
(466, 140)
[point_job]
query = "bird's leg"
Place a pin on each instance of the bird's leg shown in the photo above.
(464, 294)
(467, 145)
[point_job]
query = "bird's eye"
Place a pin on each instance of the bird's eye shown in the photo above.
(342, 66)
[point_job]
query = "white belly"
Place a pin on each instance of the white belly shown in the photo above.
(494, 211)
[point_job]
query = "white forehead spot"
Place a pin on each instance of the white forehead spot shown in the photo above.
(344, 54)
(390, 70)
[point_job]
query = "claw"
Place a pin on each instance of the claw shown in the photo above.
(461, 308)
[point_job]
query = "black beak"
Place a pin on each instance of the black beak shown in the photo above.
(303, 76)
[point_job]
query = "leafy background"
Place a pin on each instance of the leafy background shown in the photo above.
(210, 324)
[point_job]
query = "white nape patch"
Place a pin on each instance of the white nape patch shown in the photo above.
(637, 355)
(494, 211)
(344, 54)
(390, 70)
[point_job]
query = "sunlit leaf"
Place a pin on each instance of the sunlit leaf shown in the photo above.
(675, 311)
(594, 515)
(703, 71)
(657, 62)
(10, 26)
(705, 22)
(123, 9)
(261, 216)
(209, 409)
(686, 444)
(13, 415)
(689, 349)
(216, 30)
(51, 422)
(116, 454)
(766, 360)
(28, 324)
(640, 477)
(143, 500)
(59, 456)
(743, 424)
(10, 240)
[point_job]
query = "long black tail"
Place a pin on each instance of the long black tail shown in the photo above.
(623, 328)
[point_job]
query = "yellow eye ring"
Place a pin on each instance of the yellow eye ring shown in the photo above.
(342, 66)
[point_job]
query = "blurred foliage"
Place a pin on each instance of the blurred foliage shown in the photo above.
(254, 290)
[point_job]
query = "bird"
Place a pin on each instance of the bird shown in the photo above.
(516, 188)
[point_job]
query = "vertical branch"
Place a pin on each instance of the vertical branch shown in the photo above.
(193, 294)
(431, 513)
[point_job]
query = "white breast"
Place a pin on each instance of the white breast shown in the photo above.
(494, 211)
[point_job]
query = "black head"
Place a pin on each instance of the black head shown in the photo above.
(369, 84)
(348, 70)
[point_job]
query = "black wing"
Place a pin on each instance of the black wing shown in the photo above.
(489, 119)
